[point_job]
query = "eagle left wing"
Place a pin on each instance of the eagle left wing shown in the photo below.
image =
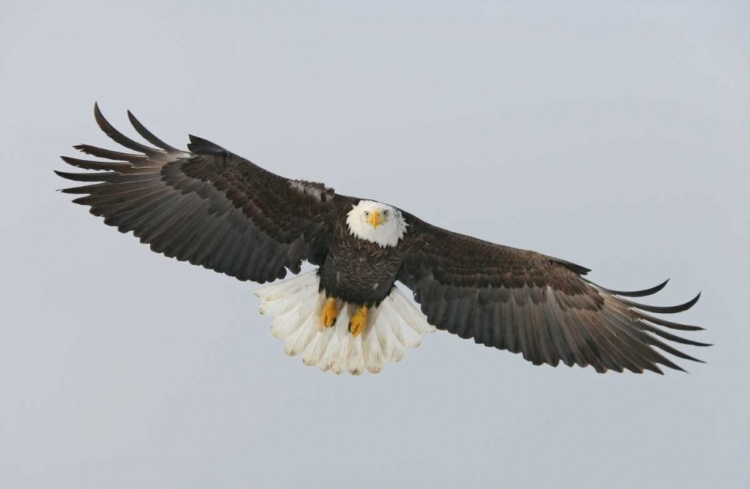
(206, 205)
(522, 301)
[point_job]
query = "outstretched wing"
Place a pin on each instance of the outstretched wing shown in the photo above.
(542, 307)
(206, 205)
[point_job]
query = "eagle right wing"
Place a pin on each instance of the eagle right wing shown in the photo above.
(206, 205)
(529, 303)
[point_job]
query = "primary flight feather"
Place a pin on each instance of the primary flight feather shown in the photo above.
(213, 208)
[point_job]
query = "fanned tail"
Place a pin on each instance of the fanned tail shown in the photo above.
(296, 303)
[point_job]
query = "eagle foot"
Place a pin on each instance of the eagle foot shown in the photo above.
(358, 321)
(329, 313)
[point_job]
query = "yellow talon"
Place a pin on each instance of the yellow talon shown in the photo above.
(329, 313)
(358, 321)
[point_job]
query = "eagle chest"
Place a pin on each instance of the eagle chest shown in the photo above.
(358, 272)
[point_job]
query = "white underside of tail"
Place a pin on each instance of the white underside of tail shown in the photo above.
(296, 304)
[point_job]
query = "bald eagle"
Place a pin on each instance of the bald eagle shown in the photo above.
(213, 208)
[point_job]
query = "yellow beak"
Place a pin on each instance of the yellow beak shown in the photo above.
(375, 219)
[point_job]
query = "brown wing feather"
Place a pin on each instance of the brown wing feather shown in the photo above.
(529, 303)
(207, 206)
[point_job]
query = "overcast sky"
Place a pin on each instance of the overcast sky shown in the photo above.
(616, 137)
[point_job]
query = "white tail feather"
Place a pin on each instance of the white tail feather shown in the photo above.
(296, 305)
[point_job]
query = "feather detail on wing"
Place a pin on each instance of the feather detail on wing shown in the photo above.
(532, 304)
(206, 205)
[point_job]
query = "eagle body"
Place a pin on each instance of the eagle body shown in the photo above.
(359, 271)
(210, 207)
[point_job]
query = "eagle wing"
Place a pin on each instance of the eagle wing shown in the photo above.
(206, 206)
(542, 307)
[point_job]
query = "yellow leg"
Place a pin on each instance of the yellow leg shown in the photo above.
(358, 321)
(329, 313)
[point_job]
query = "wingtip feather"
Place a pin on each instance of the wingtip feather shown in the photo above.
(148, 135)
(639, 293)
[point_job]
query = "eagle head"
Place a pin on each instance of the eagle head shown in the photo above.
(378, 223)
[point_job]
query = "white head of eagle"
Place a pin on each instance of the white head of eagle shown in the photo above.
(378, 223)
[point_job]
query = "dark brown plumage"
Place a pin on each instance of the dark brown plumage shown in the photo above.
(542, 307)
(218, 210)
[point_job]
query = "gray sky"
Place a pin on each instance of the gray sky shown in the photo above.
(613, 137)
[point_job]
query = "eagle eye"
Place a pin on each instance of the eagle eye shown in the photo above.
(367, 213)
(385, 213)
